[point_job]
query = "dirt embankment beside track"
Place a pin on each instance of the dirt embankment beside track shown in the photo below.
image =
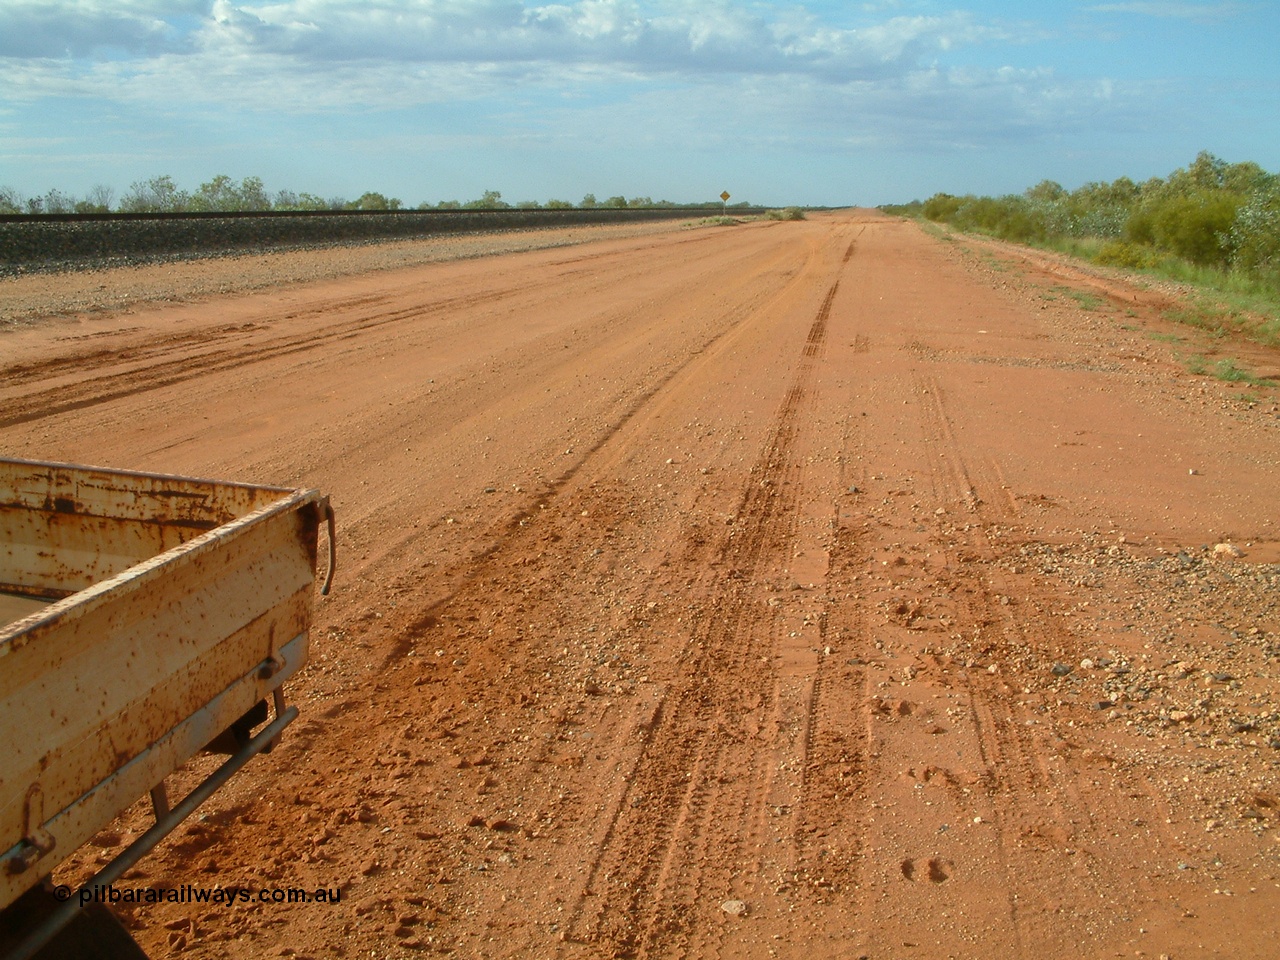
(812, 589)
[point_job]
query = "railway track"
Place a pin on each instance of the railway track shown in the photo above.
(43, 242)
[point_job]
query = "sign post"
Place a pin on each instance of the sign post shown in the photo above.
(724, 198)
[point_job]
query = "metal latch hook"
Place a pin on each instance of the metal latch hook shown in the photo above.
(36, 840)
(333, 546)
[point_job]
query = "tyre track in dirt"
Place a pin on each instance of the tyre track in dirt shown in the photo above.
(1009, 771)
(966, 506)
(828, 827)
(656, 865)
(733, 842)
(545, 496)
(1043, 819)
(681, 364)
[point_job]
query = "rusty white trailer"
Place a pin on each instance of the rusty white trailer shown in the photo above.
(142, 618)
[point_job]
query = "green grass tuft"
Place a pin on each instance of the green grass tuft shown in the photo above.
(1086, 300)
(1226, 369)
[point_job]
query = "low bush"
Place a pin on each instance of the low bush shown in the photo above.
(1213, 224)
(1129, 256)
(1255, 233)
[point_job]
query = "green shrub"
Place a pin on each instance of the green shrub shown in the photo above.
(1197, 227)
(941, 207)
(1255, 234)
(1212, 224)
(1129, 256)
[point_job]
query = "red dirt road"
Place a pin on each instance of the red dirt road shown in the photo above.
(813, 589)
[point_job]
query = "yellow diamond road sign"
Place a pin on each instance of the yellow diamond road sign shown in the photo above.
(725, 196)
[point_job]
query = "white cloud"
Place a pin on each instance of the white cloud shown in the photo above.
(60, 28)
(698, 72)
(932, 109)
(704, 37)
(1173, 9)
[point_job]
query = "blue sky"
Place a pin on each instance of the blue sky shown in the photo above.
(811, 102)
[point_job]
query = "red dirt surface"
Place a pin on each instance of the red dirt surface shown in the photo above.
(816, 589)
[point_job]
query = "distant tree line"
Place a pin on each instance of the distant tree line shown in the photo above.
(1211, 213)
(222, 194)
